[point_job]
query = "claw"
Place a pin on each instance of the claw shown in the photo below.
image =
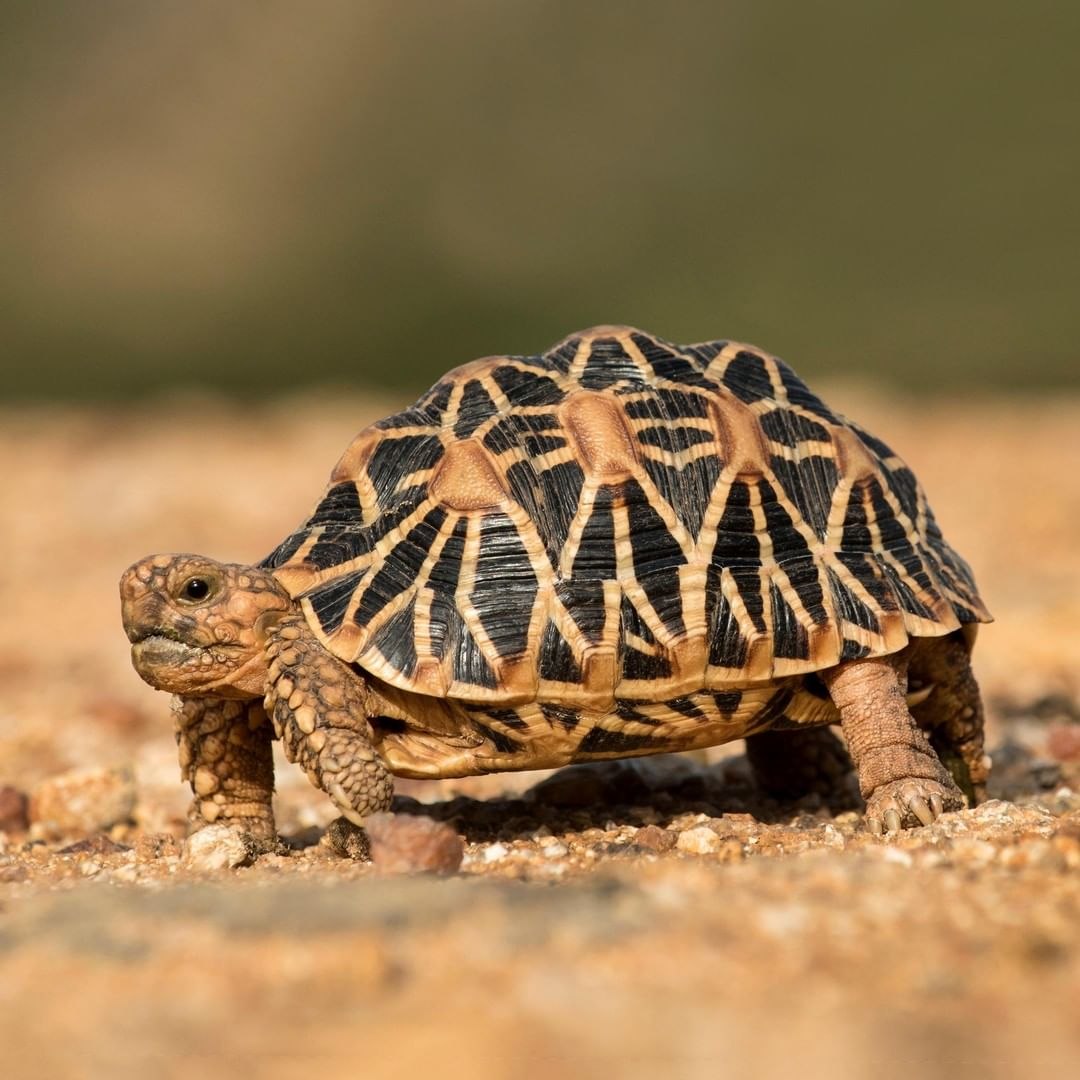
(936, 805)
(922, 811)
(892, 820)
(874, 824)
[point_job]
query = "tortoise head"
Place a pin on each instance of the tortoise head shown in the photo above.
(197, 626)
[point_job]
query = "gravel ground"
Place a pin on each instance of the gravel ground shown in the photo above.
(648, 918)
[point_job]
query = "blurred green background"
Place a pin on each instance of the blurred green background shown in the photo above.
(259, 196)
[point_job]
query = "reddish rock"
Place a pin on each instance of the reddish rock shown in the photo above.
(1063, 742)
(653, 838)
(14, 810)
(409, 844)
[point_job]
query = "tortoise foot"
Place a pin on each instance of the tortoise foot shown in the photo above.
(910, 803)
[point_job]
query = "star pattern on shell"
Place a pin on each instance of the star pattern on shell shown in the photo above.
(619, 518)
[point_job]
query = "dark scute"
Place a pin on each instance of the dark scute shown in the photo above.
(562, 357)
(329, 601)
(632, 622)
(401, 567)
(414, 416)
(396, 507)
(595, 559)
(809, 483)
(856, 535)
(727, 701)
(556, 659)
(340, 505)
(893, 533)
(394, 459)
(727, 646)
(285, 550)
(687, 490)
(788, 543)
(525, 388)
(653, 547)
(685, 707)
(872, 442)
(601, 741)
(608, 364)
(774, 707)
(674, 439)
(868, 570)
(396, 639)
(790, 640)
(906, 489)
(704, 353)
(657, 555)
(566, 718)
(850, 607)
(747, 377)
(748, 582)
(476, 407)
(639, 665)
(453, 639)
(447, 569)
(435, 402)
(800, 394)
(339, 544)
(515, 429)
(791, 428)
(627, 709)
(584, 600)
(668, 406)
(505, 585)
(852, 650)
(499, 739)
(509, 717)
(736, 535)
(804, 575)
(909, 602)
(668, 364)
(550, 498)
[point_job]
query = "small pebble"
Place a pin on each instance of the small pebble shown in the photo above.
(411, 844)
(653, 838)
(217, 847)
(495, 852)
(701, 840)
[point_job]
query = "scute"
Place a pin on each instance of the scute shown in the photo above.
(619, 518)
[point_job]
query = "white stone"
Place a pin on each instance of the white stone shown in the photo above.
(699, 841)
(217, 847)
(495, 852)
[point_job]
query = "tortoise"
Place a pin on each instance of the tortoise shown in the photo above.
(616, 548)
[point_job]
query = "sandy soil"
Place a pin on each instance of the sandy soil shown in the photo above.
(655, 919)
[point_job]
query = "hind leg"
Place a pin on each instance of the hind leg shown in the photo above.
(900, 775)
(952, 713)
(789, 764)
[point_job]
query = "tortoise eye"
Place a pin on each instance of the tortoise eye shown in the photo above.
(195, 588)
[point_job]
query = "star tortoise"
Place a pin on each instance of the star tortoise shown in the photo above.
(619, 547)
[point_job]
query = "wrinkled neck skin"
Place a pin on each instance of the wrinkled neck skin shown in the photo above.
(198, 627)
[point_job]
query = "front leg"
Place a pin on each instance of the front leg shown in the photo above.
(226, 755)
(320, 710)
(901, 778)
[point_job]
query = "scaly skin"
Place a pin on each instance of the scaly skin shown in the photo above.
(320, 709)
(226, 756)
(953, 712)
(900, 776)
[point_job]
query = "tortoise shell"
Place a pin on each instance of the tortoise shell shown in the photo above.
(619, 516)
